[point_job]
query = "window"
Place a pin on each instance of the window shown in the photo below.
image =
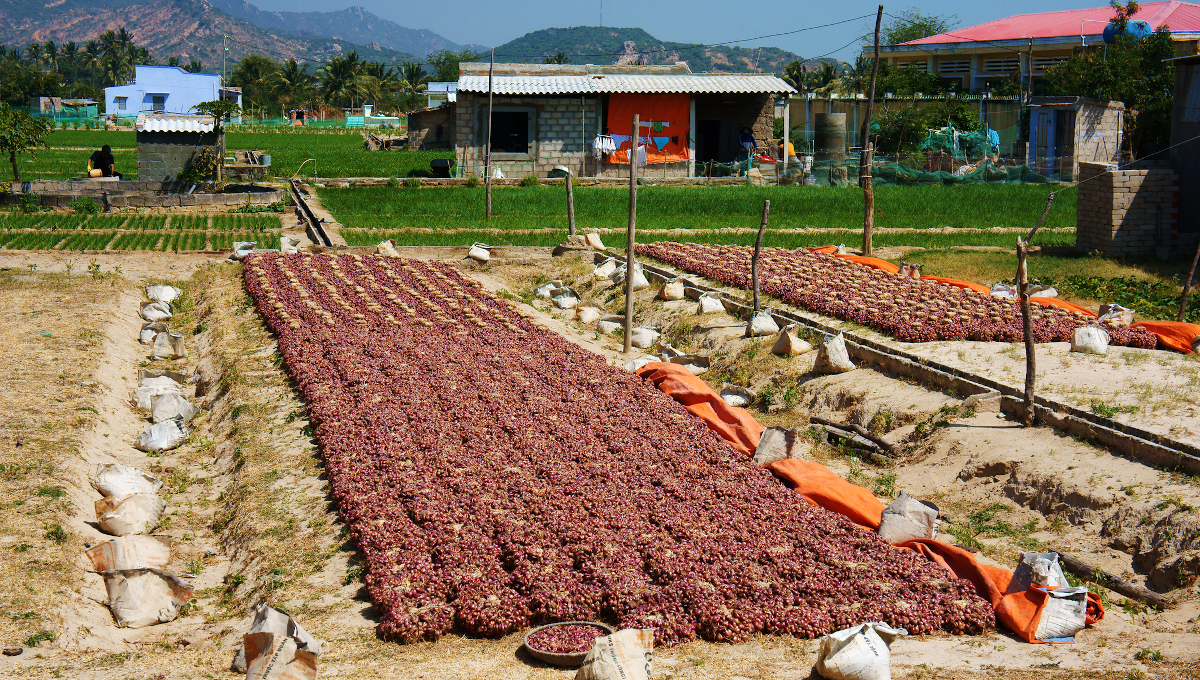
(510, 131)
(919, 65)
(121, 103)
(955, 67)
(1000, 65)
(158, 103)
(1047, 63)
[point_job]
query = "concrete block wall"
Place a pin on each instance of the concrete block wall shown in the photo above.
(163, 155)
(558, 138)
(1130, 212)
(138, 194)
(1097, 134)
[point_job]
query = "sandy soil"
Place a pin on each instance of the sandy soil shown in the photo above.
(249, 500)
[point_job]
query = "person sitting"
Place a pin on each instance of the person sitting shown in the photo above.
(791, 152)
(102, 163)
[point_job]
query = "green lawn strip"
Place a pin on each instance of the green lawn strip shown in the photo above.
(63, 164)
(122, 139)
(703, 207)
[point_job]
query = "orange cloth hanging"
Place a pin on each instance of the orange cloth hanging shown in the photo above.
(664, 120)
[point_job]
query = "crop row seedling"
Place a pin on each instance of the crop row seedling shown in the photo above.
(34, 240)
(87, 241)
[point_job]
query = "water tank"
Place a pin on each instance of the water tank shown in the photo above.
(829, 137)
(1136, 30)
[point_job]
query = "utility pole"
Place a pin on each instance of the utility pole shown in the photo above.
(224, 49)
(487, 157)
(867, 149)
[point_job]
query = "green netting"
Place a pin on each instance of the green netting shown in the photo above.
(986, 172)
(958, 143)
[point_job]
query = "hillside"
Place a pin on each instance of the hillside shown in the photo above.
(353, 24)
(604, 45)
(189, 29)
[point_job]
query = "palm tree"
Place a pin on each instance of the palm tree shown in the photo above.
(340, 79)
(34, 52)
(559, 58)
(291, 84)
(174, 61)
(795, 75)
(50, 51)
(194, 67)
(414, 75)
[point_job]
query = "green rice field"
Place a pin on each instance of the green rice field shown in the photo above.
(537, 215)
(161, 233)
(338, 153)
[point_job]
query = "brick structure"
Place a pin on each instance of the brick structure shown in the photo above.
(1130, 212)
(167, 143)
(1065, 132)
(141, 193)
(432, 128)
(551, 114)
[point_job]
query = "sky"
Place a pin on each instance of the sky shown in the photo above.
(495, 22)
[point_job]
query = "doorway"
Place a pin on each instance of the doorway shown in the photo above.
(708, 140)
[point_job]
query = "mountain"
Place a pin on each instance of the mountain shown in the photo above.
(353, 24)
(604, 45)
(189, 29)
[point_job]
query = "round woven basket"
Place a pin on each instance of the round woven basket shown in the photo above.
(563, 659)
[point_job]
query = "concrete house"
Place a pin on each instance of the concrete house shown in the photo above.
(1064, 131)
(1028, 45)
(580, 117)
(167, 143)
(166, 89)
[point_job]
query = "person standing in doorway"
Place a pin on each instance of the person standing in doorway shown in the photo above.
(102, 163)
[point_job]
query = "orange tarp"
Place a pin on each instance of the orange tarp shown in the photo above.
(871, 262)
(1020, 612)
(734, 425)
(1062, 304)
(959, 284)
(1176, 335)
(828, 250)
(664, 122)
(820, 486)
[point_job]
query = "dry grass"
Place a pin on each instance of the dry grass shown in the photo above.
(50, 328)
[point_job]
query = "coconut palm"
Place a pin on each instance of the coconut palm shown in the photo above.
(50, 54)
(34, 52)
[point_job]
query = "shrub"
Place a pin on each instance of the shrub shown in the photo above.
(29, 203)
(412, 183)
(530, 181)
(392, 183)
(472, 182)
(84, 205)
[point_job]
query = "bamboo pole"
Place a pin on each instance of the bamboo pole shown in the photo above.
(487, 159)
(630, 235)
(864, 172)
(570, 207)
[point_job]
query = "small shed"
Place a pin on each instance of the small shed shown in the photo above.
(1065, 131)
(580, 117)
(432, 128)
(167, 143)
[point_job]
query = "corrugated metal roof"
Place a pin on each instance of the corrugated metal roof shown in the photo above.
(174, 122)
(696, 83)
(1180, 16)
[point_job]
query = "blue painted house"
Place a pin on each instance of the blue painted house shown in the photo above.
(166, 89)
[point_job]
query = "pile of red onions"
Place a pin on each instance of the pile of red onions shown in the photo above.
(571, 639)
(910, 310)
(496, 476)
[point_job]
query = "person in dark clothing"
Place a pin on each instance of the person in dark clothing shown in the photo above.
(102, 163)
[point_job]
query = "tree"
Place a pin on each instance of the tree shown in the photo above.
(194, 67)
(910, 24)
(221, 110)
(559, 57)
(445, 63)
(21, 132)
(253, 74)
(1130, 71)
(795, 75)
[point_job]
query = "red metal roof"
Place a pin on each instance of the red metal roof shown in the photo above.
(1180, 16)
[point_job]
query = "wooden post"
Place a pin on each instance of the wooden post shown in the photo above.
(1030, 415)
(570, 207)
(864, 172)
(630, 236)
(487, 157)
(1027, 320)
(1187, 285)
(762, 228)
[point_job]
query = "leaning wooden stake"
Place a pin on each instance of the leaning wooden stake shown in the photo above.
(1030, 415)
(570, 208)
(487, 157)
(630, 235)
(1114, 583)
(762, 228)
(864, 171)
(1187, 285)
